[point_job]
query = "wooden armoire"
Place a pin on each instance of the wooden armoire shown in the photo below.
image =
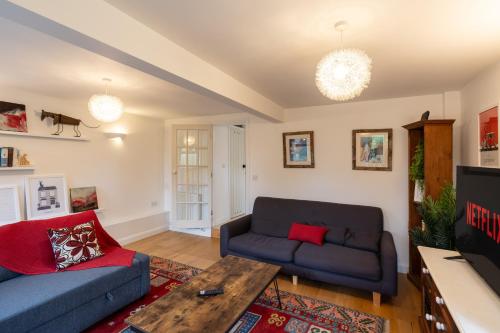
(437, 137)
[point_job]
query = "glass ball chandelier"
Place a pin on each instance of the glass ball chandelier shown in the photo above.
(105, 107)
(344, 73)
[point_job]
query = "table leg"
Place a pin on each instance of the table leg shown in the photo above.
(277, 293)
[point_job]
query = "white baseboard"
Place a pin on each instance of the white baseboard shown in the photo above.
(134, 229)
(141, 235)
(403, 268)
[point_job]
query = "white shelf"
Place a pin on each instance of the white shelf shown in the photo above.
(43, 136)
(20, 168)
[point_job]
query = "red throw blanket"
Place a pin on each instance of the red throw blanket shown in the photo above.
(25, 247)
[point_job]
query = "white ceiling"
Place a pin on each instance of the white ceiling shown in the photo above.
(42, 64)
(418, 47)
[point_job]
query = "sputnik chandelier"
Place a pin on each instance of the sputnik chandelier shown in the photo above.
(344, 73)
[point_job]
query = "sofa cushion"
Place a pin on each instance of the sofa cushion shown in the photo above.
(73, 245)
(335, 234)
(307, 233)
(5, 274)
(265, 247)
(36, 299)
(274, 217)
(339, 260)
(363, 240)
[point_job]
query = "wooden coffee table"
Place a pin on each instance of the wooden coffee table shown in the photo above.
(182, 310)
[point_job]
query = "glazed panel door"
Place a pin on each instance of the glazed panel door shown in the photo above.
(192, 177)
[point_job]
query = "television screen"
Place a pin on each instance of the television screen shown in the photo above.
(477, 229)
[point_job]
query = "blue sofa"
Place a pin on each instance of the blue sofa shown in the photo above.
(357, 251)
(69, 301)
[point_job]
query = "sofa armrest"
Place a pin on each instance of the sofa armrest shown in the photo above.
(232, 229)
(389, 265)
(143, 261)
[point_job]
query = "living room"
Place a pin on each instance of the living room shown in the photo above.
(281, 154)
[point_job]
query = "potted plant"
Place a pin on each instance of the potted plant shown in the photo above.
(438, 229)
(417, 172)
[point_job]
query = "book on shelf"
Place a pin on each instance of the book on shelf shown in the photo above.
(7, 157)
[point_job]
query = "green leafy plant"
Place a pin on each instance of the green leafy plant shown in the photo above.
(439, 219)
(417, 166)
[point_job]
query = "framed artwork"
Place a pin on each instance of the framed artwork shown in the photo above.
(372, 149)
(13, 117)
(488, 137)
(10, 210)
(46, 196)
(298, 149)
(83, 198)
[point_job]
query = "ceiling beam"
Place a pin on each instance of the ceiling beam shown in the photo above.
(99, 27)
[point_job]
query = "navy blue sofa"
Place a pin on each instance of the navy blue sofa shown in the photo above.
(69, 301)
(357, 251)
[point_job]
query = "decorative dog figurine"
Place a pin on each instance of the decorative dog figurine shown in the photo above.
(60, 120)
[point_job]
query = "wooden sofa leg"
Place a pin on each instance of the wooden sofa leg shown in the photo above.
(295, 280)
(376, 298)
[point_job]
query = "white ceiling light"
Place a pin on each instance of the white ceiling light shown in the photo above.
(105, 108)
(343, 74)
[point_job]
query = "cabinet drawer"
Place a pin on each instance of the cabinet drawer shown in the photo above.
(443, 317)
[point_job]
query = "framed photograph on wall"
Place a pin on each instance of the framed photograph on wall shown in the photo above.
(83, 198)
(488, 138)
(46, 196)
(372, 149)
(10, 211)
(298, 149)
(13, 117)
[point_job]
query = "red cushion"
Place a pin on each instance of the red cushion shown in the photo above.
(307, 233)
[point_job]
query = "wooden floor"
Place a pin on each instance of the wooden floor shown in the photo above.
(402, 311)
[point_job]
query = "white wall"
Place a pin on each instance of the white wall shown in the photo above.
(128, 174)
(221, 198)
(480, 94)
(333, 178)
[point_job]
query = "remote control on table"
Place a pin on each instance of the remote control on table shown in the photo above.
(211, 292)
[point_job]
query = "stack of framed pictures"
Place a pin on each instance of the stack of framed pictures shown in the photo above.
(46, 197)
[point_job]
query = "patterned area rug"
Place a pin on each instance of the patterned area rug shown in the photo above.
(300, 314)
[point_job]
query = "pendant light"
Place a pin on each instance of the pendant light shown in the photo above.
(344, 73)
(105, 108)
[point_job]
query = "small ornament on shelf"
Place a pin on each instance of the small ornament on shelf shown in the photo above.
(23, 160)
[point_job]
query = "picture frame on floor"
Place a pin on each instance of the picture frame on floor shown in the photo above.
(372, 149)
(10, 211)
(298, 149)
(46, 196)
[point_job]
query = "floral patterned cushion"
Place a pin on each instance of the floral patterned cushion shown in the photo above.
(73, 245)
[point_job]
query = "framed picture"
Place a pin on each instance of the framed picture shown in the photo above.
(83, 198)
(13, 117)
(488, 137)
(298, 149)
(372, 149)
(10, 210)
(46, 196)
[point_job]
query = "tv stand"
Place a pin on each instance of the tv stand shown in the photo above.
(454, 297)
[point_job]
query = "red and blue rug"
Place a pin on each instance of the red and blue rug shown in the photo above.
(300, 314)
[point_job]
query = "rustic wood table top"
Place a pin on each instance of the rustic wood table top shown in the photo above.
(182, 310)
